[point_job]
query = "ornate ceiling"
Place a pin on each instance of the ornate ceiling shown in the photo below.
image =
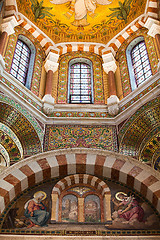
(81, 20)
(140, 135)
(17, 136)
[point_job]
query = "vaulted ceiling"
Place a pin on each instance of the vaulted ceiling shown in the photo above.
(92, 21)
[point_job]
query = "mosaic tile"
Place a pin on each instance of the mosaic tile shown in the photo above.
(103, 137)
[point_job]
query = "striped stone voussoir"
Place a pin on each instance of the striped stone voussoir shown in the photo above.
(85, 179)
(62, 163)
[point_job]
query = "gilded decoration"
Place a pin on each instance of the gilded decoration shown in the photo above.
(151, 147)
(66, 136)
(36, 77)
(122, 60)
(97, 73)
(82, 20)
(143, 125)
(21, 126)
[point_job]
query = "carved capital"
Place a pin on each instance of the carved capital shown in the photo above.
(112, 103)
(153, 25)
(8, 25)
(51, 62)
(109, 63)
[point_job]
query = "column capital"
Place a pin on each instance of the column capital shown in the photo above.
(153, 26)
(51, 62)
(8, 25)
(109, 63)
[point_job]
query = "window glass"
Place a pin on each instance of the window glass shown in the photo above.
(140, 63)
(20, 61)
(80, 83)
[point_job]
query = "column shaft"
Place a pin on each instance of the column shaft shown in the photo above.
(157, 38)
(80, 209)
(111, 83)
(3, 39)
(54, 207)
(49, 82)
(108, 207)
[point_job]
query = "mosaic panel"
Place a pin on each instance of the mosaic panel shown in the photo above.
(140, 95)
(21, 127)
(147, 221)
(67, 136)
(81, 114)
(151, 147)
(157, 163)
(139, 127)
(9, 132)
(38, 59)
(121, 58)
(21, 93)
(25, 113)
(97, 73)
(7, 142)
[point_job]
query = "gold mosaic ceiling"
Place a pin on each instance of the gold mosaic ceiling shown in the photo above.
(81, 20)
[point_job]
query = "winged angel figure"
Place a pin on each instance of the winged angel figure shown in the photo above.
(81, 8)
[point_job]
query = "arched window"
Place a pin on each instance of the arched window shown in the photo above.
(80, 87)
(138, 62)
(23, 61)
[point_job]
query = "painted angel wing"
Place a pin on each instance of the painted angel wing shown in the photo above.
(103, 2)
(60, 1)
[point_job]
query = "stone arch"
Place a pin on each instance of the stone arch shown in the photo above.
(83, 179)
(61, 163)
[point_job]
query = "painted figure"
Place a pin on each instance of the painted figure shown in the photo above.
(81, 8)
(35, 210)
(130, 208)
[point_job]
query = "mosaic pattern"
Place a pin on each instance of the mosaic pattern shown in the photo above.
(97, 73)
(21, 93)
(20, 125)
(103, 137)
(140, 95)
(4, 156)
(157, 163)
(138, 127)
(7, 142)
(9, 132)
(151, 147)
(121, 58)
(81, 114)
(25, 113)
(38, 59)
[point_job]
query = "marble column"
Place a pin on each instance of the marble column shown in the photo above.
(110, 67)
(50, 66)
(7, 28)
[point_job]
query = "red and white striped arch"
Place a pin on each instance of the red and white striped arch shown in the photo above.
(113, 46)
(86, 179)
(62, 163)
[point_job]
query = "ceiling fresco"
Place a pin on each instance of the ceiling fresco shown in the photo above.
(81, 20)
